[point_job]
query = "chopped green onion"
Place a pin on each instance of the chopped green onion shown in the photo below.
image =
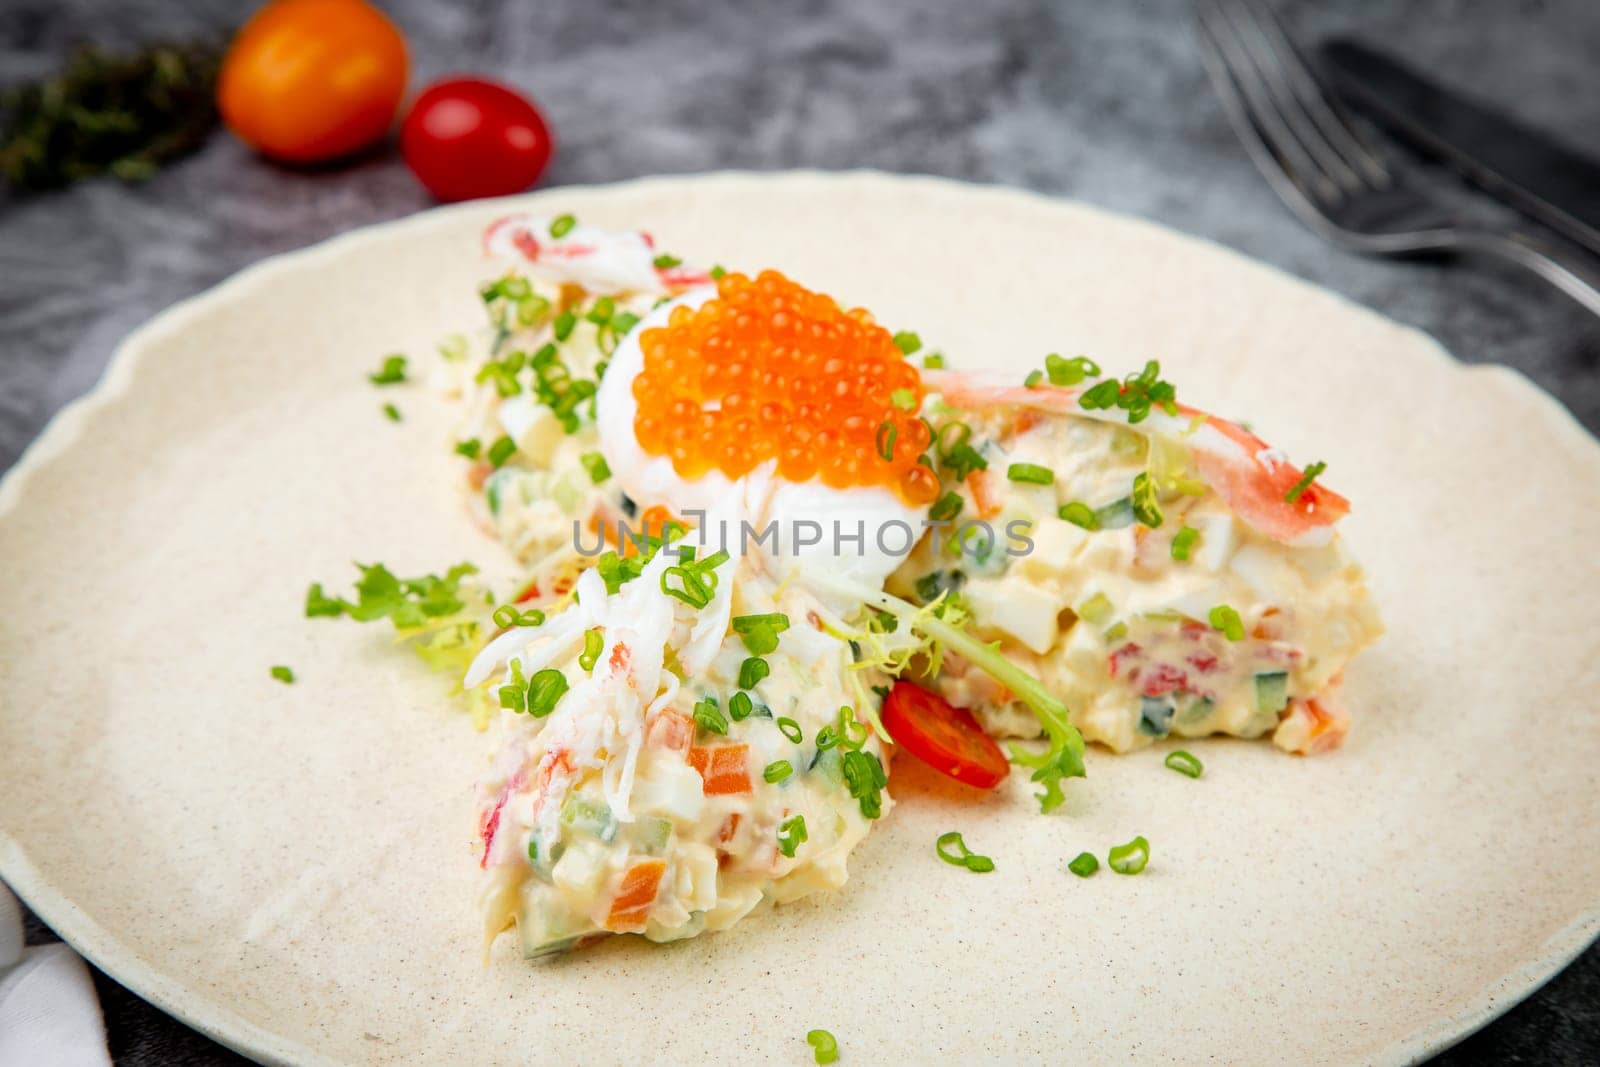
(1146, 508)
(593, 644)
(710, 717)
(564, 325)
(544, 689)
(791, 834)
(1070, 371)
(596, 465)
(1310, 475)
(791, 729)
(760, 632)
(1034, 378)
(1080, 514)
(1084, 864)
(1184, 763)
(502, 449)
(1030, 473)
(453, 347)
(717, 271)
(904, 399)
(666, 262)
(283, 674)
(1183, 542)
(469, 448)
(1227, 620)
(965, 858)
(601, 311)
(933, 361)
(777, 770)
(393, 371)
(884, 441)
(864, 775)
(824, 1047)
(562, 226)
(740, 707)
(507, 616)
(946, 507)
(751, 671)
(1129, 858)
(391, 412)
(907, 342)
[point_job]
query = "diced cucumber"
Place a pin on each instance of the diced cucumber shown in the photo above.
(565, 494)
(494, 488)
(1115, 515)
(1095, 609)
(1195, 710)
(592, 817)
(1155, 715)
(654, 832)
(1272, 691)
(543, 855)
(830, 764)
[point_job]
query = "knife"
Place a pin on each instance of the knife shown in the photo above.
(1525, 168)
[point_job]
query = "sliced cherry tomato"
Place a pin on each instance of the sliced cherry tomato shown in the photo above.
(943, 736)
(308, 80)
(467, 137)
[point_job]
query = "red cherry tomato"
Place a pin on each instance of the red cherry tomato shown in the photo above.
(945, 737)
(467, 137)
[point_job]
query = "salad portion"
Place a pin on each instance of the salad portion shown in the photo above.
(767, 542)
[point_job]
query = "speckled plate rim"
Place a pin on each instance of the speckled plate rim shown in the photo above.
(101, 946)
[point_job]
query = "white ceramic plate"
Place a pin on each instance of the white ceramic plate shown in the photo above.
(289, 868)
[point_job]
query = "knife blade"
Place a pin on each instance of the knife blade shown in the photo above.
(1525, 168)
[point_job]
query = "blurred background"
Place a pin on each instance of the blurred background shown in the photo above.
(1108, 103)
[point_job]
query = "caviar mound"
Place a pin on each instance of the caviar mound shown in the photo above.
(770, 370)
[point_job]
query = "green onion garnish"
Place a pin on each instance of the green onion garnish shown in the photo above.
(562, 226)
(1136, 394)
(1129, 858)
(1146, 508)
(544, 689)
(740, 707)
(507, 616)
(502, 449)
(760, 632)
(601, 310)
(904, 399)
(1080, 514)
(907, 342)
(283, 674)
(1183, 541)
(791, 729)
(777, 770)
(666, 262)
(709, 717)
(933, 361)
(717, 271)
(791, 834)
(469, 448)
(1084, 864)
(884, 441)
(751, 671)
(864, 775)
(1030, 473)
(946, 507)
(965, 858)
(393, 371)
(564, 325)
(391, 412)
(1227, 620)
(1034, 378)
(1305, 481)
(1070, 371)
(1184, 763)
(823, 1046)
(593, 643)
(596, 465)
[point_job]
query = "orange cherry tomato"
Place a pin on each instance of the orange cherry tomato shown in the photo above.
(309, 80)
(943, 736)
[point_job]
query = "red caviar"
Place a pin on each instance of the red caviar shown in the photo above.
(769, 370)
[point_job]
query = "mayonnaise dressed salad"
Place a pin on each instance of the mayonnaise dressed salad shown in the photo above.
(763, 547)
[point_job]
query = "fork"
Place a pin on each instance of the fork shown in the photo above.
(1333, 178)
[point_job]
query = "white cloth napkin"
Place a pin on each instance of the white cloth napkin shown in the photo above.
(49, 1014)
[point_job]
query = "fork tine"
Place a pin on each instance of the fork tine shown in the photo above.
(1271, 66)
(1278, 153)
(1304, 82)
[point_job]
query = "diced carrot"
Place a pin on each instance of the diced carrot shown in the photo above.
(529, 592)
(1027, 419)
(723, 768)
(478, 474)
(983, 494)
(630, 908)
(730, 826)
(672, 731)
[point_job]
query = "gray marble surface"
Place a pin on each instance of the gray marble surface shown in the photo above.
(1104, 102)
